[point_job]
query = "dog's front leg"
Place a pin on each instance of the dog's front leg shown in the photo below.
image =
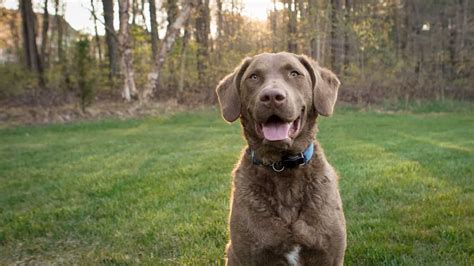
(329, 243)
(308, 235)
(258, 216)
(258, 235)
(270, 231)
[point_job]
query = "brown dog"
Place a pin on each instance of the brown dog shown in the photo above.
(286, 208)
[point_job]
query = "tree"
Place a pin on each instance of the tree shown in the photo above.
(129, 90)
(171, 7)
(315, 26)
(171, 12)
(59, 26)
(220, 20)
(111, 37)
(30, 48)
(142, 12)
(97, 39)
(347, 22)
(337, 42)
(273, 17)
(166, 45)
(202, 26)
(292, 26)
(134, 12)
(154, 29)
(183, 53)
(44, 33)
(84, 82)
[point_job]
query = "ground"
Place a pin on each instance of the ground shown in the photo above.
(156, 190)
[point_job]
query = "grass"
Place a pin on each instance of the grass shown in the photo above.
(156, 190)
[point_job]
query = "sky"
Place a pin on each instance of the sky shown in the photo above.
(78, 14)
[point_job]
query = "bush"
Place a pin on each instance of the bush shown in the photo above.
(84, 80)
(15, 80)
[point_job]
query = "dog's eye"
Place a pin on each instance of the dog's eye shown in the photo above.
(253, 77)
(294, 74)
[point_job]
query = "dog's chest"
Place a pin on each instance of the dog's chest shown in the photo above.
(287, 196)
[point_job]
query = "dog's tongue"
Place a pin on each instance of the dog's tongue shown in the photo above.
(276, 131)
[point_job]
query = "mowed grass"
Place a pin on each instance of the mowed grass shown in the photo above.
(156, 190)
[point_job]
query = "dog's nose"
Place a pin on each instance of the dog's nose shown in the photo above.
(272, 96)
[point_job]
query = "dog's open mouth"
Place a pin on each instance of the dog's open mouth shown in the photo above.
(275, 128)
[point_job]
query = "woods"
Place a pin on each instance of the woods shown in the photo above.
(389, 50)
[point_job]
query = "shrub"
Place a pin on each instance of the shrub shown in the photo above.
(84, 80)
(15, 79)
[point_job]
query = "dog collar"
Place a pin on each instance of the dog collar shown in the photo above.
(287, 161)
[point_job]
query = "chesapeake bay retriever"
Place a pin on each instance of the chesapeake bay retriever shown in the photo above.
(286, 208)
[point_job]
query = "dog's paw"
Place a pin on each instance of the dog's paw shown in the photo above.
(302, 233)
(305, 234)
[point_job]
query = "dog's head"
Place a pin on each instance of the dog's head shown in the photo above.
(278, 97)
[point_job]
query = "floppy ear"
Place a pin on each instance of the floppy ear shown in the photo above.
(228, 92)
(325, 86)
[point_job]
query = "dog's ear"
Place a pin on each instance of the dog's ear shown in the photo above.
(325, 86)
(228, 92)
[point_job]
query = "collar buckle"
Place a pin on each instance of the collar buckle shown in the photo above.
(288, 161)
(291, 161)
(278, 167)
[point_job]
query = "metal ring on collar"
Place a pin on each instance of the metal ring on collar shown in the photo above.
(304, 161)
(274, 165)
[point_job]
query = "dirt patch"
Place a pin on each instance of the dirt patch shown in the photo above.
(28, 115)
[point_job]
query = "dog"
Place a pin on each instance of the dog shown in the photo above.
(285, 202)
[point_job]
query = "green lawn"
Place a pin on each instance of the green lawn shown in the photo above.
(156, 190)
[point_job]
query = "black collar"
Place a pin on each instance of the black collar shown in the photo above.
(287, 161)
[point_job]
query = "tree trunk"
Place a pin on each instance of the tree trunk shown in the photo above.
(97, 39)
(315, 28)
(274, 26)
(220, 19)
(325, 28)
(337, 49)
(142, 13)
(397, 26)
(59, 26)
(304, 29)
(30, 48)
(134, 12)
(348, 22)
(110, 37)
(202, 21)
(129, 90)
(62, 58)
(465, 29)
(405, 33)
(44, 34)
(182, 67)
(166, 45)
(171, 12)
(154, 29)
(460, 32)
(292, 21)
(418, 52)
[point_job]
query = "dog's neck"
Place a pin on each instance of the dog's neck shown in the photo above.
(286, 162)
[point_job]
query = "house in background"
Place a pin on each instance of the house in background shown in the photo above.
(11, 35)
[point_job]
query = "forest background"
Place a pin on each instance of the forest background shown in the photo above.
(175, 52)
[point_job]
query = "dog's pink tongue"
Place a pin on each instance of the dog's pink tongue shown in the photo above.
(276, 131)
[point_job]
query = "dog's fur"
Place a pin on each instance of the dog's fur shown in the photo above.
(293, 217)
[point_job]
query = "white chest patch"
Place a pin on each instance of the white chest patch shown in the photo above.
(293, 256)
